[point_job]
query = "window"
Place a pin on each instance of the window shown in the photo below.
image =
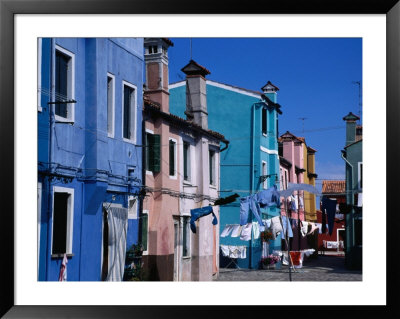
(286, 179)
(360, 175)
(129, 112)
(132, 207)
(264, 173)
(172, 157)
(144, 229)
(153, 49)
(185, 236)
(212, 167)
(64, 84)
(264, 120)
(282, 179)
(153, 152)
(63, 199)
(186, 161)
(110, 105)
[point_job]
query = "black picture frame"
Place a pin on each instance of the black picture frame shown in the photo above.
(8, 10)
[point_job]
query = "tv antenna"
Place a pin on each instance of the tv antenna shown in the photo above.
(359, 99)
(302, 119)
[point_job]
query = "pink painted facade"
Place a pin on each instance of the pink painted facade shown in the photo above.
(178, 179)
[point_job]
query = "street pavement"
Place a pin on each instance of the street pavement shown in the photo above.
(322, 268)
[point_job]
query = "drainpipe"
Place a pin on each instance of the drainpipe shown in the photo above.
(349, 196)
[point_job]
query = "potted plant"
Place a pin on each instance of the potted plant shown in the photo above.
(269, 261)
(266, 236)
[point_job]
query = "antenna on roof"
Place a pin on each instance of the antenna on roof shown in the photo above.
(303, 118)
(359, 99)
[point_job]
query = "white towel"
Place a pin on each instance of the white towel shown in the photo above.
(246, 232)
(227, 230)
(256, 230)
(237, 229)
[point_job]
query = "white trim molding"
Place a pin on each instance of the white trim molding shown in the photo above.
(268, 151)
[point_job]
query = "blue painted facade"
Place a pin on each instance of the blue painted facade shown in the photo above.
(237, 114)
(78, 154)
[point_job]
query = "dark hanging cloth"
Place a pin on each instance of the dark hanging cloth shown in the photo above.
(226, 200)
(297, 242)
(329, 205)
(201, 212)
(323, 221)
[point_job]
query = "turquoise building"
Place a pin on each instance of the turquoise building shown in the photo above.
(249, 119)
(352, 155)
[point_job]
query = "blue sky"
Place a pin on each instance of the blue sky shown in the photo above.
(314, 76)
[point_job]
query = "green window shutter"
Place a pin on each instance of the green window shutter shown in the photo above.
(144, 231)
(156, 153)
(171, 158)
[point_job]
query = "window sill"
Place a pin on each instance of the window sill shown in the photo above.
(173, 177)
(186, 257)
(61, 255)
(213, 186)
(60, 119)
(264, 134)
(188, 184)
(129, 141)
(40, 109)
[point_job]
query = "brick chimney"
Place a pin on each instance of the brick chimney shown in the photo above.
(156, 61)
(196, 95)
(351, 124)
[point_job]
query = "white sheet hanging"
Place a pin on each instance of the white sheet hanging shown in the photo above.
(117, 218)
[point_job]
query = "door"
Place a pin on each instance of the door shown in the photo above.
(176, 250)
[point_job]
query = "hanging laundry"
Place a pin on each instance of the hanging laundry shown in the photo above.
(237, 229)
(234, 251)
(286, 227)
(256, 230)
(293, 222)
(267, 223)
(323, 213)
(319, 225)
(201, 212)
(313, 228)
(246, 204)
(293, 204)
(304, 228)
(330, 207)
(227, 230)
(63, 270)
(301, 202)
(226, 200)
(246, 232)
(298, 186)
(276, 226)
(269, 197)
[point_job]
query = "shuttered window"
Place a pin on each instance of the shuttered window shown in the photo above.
(211, 164)
(128, 101)
(172, 159)
(61, 82)
(153, 152)
(110, 106)
(144, 228)
(186, 161)
(264, 121)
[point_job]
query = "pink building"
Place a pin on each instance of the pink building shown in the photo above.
(181, 174)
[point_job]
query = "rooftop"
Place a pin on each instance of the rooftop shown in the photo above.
(334, 187)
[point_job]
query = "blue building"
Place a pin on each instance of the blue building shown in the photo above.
(89, 155)
(249, 120)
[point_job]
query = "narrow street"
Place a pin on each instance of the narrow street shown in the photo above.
(323, 268)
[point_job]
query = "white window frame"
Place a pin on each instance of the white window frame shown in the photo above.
(133, 124)
(112, 133)
(70, 217)
(190, 157)
(188, 238)
(39, 75)
(264, 169)
(146, 212)
(147, 131)
(359, 174)
(71, 85)
(132, 209)
(175, 176)
(214, 166)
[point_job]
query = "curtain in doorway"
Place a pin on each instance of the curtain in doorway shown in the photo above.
(118, 225)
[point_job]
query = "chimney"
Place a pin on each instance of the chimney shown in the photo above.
(351, 124)
(196, 95)
(270, 91)
(156, 61)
